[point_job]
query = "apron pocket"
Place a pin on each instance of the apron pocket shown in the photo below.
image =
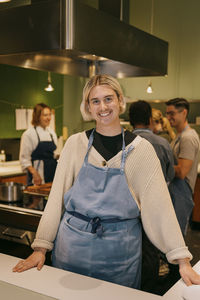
(78, 226)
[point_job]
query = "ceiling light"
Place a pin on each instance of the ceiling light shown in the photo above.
(2, 1)
(149, 88)
(49, 87)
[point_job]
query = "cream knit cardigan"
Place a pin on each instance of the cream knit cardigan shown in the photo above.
(145, 181)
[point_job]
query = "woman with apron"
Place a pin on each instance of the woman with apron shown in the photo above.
(104, 185)
(37, 147)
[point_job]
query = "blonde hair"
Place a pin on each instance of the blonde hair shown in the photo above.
(100, 80)
(157, 117)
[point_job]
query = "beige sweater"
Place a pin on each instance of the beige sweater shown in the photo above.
(145, 180)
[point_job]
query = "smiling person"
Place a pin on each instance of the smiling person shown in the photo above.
(106, 182)
(37, 147)
(186, 152)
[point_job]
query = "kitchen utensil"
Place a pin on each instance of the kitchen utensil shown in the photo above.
(11, 191)
(40, 190)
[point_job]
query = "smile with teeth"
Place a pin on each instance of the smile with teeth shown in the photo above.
(104, 114)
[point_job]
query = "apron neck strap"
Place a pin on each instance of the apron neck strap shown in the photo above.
(91, 138)
(124, 152)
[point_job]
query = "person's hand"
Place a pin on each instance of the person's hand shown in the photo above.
(188, 275)
(37, 180)
(36, 259)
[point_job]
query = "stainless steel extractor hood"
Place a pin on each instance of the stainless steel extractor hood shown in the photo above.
(68, 37)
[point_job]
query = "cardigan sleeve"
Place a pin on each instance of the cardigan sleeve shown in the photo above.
(62, 182)
(158, 217)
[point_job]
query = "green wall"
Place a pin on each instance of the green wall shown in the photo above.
(72, 119)
(24, 88)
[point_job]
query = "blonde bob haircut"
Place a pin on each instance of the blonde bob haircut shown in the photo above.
(100, 80)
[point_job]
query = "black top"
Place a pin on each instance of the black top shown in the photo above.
(109, 146)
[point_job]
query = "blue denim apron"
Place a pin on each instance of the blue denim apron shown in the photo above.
(181, 195)
(100, 232)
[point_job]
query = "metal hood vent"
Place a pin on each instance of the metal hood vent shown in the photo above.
(68, 37)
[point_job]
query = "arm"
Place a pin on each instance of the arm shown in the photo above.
(157, 212)
(187, 152)
(66, 171)
(183, 167)
(180, 253)
(47, 229)
(37, 180)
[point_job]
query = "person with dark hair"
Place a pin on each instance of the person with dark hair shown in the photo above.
(104, 186)
(186, 150)
(140, 117)
(37, 147)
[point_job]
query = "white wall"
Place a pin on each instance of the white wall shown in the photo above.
(178, 22)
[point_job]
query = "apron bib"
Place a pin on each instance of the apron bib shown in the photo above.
(100, 232)
(44, 151)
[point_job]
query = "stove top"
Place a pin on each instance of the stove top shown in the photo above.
(28, 202)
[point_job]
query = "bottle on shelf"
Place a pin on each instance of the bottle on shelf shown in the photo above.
(2, 156)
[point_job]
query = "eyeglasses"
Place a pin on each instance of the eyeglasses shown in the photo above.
(172, 113)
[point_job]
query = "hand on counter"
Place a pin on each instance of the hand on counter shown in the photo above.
(36, 259)
(188, 275)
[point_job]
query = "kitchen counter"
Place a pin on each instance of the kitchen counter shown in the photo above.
(51, 283)
(180, 289)
(10, 291)
(10, 168)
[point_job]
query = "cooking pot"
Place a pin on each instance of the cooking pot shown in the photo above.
(11, 191)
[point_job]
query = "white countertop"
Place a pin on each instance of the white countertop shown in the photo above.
(10, 168)
(60, 284)
(180, 289)
(52, 283)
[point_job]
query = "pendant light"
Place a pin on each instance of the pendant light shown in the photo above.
(149, 88)
(49, 87)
